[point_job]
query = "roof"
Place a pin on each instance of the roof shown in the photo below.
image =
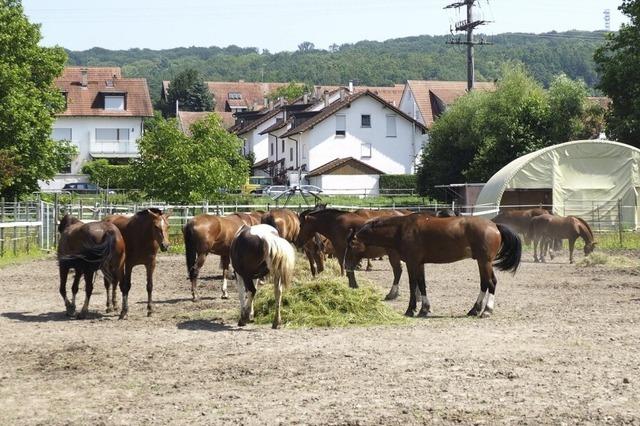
(337, 106)
(341, 162)
(187, 118)
(548, 171)
(260, 164)
(253, 124)
(252, 94)
(88, 101)
(432, 96)
(391, 94)
(277, 125)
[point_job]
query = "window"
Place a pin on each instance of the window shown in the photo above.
(271, 150)
(391, 126)
(365, 150)
(291, 154)
(304, 151)
(365, 120)
(282, 145)
(60, 134)
(341, 125)
(120, 135)
(115, 103)
(234, 95)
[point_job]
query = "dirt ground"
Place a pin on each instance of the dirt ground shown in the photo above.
(562, 347)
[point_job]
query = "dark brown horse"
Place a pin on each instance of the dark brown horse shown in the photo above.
(547, 227)
(420, 239)
(256, 252)
(519, 220)
(87, 248)
(206, 234)
(336, 225)
(144, 233)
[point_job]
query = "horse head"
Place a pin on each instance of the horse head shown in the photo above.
(354, 251)
(67, 221)
(589, 248)
(160, 226)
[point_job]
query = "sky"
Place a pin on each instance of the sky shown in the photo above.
(279, 25)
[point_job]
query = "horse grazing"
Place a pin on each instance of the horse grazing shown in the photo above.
(206, 234)
(550, 227)
(144, 233)
(87, 248)
(256, 252)
(420, 239)
(336, 225)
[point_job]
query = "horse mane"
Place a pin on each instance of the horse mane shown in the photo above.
(586, 225)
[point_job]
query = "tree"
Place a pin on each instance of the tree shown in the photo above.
(617, 62)
(107, 175)
(191, 92)
(483, 131)
(289, 92)
(178, 168)
(306, 46)
(28, 103)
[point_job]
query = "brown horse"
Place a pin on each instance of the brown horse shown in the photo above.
(336, 225)
(87, 248)
(144, 233)
(370, 214)
(519, 220)
(206, 234)
(420, 239)
(547, 227)
(256, 252)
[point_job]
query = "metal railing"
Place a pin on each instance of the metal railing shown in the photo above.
(125, 148)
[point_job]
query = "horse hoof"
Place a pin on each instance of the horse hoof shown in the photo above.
(424, 313)
(536, 261)
(82, 315)
(392, 295)
(224, 296)
(123, 316)
(109, 310)
(487, 313)
(242, 323)
(275, 325)
(195, 299)
(369, 268)
(473, 312)
(149, 313)
(409, 313)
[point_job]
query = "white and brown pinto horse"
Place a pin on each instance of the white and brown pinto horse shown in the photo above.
(545, 228)
(420, 239)
(256, 252)
(87, 248)
(206, 234)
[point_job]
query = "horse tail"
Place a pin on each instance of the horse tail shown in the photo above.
(281, 259)
(190, 248)
(508, 258)
(91, 258)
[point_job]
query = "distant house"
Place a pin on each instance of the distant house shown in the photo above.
(187, 118)
(426, 100)
(353, 139)
(103, 117)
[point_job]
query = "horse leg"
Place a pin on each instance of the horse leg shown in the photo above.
(572, 243)
(486, 272)
(125, 286)
(425, 309)
(542, 249)
(242, 298)
(248, 303)
(224, 263)
(107, 288)
(396, 265)
(318, 257)
(194, 275)
(536, 240)
(491, 296)
(369, 267)
(64, 272)
(88, 289)
(277, 288)
(74, 289)
(150, 268)
(411, 310)
(310, 258)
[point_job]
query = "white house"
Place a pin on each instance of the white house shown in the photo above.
(361, 127)
(103, 118)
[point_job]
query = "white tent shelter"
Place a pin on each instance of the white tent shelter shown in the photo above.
(587, 178)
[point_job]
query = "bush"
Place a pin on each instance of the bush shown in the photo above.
(388, 182)
(107, 175)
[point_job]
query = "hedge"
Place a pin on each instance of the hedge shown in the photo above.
(398, 182)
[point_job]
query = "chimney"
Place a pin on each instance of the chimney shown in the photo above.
(350, 86)
(85, 76)
(325, 96)
(265, 102)
(305, 98)
(343, 94)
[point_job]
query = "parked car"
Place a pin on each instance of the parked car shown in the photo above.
(274, 190)
(256, 184)
(310, 188)
(81, 187)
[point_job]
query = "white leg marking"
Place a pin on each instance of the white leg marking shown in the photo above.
(241, 291)
(224, 284)
(480, 300)
(491, 299)
(425, 300)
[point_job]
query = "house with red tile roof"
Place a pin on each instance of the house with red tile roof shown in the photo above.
(103, 117)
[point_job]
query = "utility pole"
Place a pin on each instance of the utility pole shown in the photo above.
(467, 25)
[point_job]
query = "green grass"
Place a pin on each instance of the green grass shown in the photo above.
(9, 259)
(325, 301)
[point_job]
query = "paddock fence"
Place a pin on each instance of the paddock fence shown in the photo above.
(32, 225)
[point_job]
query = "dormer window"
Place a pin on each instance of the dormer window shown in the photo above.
(235, 95)
(114, 102)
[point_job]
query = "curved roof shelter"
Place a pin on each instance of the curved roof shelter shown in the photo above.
(585, 178)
